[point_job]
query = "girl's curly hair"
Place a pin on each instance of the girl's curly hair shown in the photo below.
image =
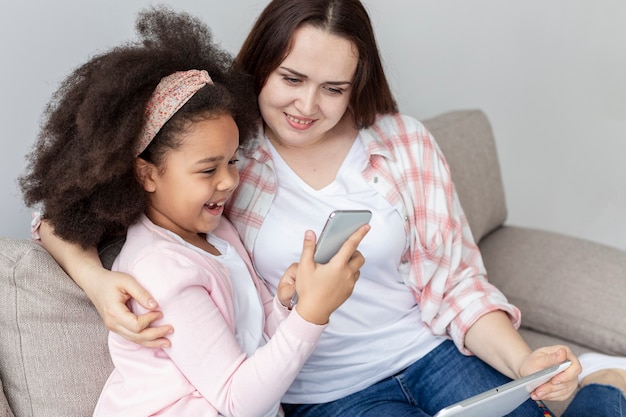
(81, 169)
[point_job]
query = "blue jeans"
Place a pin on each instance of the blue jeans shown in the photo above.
(597, 401)
(441, 378)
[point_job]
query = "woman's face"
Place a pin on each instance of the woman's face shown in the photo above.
(308, 94)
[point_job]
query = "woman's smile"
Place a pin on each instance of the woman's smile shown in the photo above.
(298, 122)
(306, 97)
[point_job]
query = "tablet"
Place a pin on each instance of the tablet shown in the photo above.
(501, 400)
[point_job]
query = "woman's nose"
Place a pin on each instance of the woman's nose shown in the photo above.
(307, 101)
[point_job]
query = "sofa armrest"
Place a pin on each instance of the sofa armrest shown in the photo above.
(567, 287)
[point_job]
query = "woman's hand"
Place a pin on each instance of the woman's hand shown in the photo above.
(110, 291)
(562, 385)
(511, 355)
(322, 288)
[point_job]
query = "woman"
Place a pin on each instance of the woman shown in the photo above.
(332, 139)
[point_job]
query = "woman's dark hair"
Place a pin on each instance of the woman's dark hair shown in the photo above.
(81, 169)
(270, 41)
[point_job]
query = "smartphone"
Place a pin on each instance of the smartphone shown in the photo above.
(338, 228)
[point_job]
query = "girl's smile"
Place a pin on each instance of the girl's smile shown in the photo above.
(188, 191)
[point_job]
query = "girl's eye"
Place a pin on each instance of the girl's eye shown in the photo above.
(209, 171)
(233, 161)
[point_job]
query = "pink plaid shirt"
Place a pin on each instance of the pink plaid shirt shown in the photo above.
(442, 264)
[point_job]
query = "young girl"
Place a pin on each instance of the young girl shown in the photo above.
(144, 138)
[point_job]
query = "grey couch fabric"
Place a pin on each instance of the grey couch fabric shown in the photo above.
(53, 349)
(568, 288)
(5, 410)
(53, 353)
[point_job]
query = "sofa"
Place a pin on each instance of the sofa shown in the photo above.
(53, 347)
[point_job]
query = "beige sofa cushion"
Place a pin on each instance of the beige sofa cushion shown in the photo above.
(5, 410)
(566, 287)
(467, 141)
(53, 350)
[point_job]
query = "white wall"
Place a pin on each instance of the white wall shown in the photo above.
(551, 75)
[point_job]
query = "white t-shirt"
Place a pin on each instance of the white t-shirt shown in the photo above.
(247, 305)
(378, 330)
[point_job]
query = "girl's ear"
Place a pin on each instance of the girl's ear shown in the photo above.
(145, 172)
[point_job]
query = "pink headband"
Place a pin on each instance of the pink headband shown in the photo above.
(169, 96)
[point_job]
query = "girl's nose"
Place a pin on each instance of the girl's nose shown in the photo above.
(229, 179)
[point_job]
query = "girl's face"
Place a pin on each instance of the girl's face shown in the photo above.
(188, 191)
(308, 94)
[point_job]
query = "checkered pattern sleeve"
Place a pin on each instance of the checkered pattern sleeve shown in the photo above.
(442, 264)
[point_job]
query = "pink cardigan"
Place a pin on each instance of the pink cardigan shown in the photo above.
(205, 372)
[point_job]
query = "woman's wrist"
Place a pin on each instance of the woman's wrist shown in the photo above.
(80, 264)
(494, 340)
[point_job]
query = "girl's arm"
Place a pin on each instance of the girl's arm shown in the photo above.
(108, 291)
(205, 350)
(204, 347)
(494, 339)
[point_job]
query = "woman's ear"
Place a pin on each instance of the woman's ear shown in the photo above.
(145, 171)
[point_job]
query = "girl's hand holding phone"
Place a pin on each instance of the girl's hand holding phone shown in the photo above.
(322, 288)
(286, 289)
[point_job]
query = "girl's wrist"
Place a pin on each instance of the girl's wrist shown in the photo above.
(312, 315)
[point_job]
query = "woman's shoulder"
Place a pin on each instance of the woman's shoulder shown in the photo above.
(398, 124)
(255, 146)
(397, 128)
(398, 119)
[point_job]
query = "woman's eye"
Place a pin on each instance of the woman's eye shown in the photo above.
(291, 80)
(333, 90)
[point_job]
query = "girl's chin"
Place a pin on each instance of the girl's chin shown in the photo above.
(208, 228)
